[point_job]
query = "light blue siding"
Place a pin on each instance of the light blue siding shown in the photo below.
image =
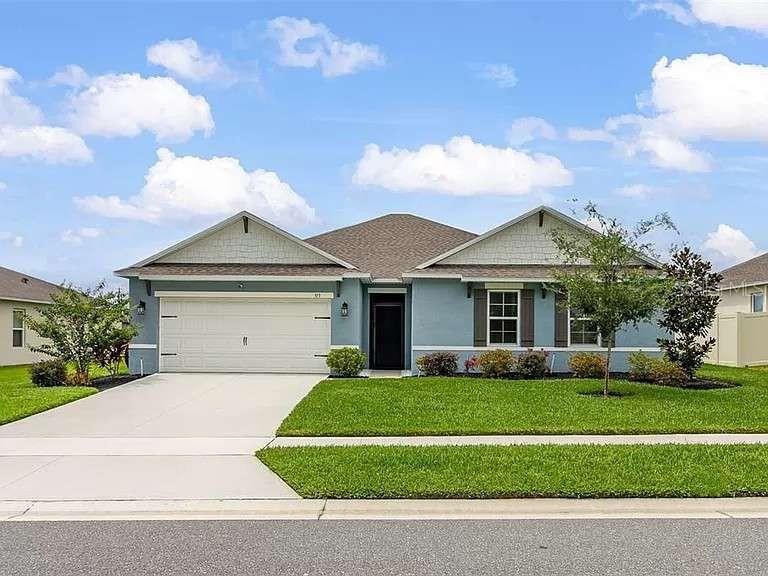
(543, 316)
(442, 313)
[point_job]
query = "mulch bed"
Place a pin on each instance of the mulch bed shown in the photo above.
(107, 382)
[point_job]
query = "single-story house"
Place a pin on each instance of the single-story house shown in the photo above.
(245, 295)
(741, 326)
(20, 294)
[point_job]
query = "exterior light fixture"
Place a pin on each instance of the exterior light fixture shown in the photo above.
(344, 310)
(241, 285)
(141, 309)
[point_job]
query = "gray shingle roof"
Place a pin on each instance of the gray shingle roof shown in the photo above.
(17, 286)
(754, 271)
(392, 244)
(516, 271)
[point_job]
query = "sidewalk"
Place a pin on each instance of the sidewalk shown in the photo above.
(725, 508)
(293, 441)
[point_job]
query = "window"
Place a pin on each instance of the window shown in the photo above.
(502, 317)
(17, 331)
(582, 330)
(757, 302)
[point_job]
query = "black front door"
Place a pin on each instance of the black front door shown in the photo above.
(387, 334)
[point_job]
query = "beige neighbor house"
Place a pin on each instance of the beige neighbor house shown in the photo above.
(20, 294)
(741, 326)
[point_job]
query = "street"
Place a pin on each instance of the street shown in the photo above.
(584, 547)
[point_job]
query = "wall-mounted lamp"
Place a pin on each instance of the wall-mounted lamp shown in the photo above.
(241, 285)
(344, 310)
(141, 309)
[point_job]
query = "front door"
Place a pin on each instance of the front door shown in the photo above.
(387, 331)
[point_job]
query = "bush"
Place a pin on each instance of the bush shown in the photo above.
(48, 373)
(646, 368)
(587, 365)
(470, 364)
(438, 364)
(496, 363)
(532, 364)
(346, 361)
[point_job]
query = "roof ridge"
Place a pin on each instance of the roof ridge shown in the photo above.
(388, 215)
(744, 263)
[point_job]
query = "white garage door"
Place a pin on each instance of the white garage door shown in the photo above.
(244, 334)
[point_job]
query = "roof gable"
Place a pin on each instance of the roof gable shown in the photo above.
(243, 239)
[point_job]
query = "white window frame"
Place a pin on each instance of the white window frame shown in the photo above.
(752, 301)
(599, 343)
(22, 329)
(489, 318)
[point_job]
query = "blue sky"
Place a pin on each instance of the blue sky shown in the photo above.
(126, 127)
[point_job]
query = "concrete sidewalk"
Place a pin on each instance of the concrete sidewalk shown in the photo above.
(244, 509)
(293, 441)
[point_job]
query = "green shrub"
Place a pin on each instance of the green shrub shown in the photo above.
(346, 361)
(48, 373)
(438, 364)
(644, 368)
(496, 363)
(532, 364)
(587, 365)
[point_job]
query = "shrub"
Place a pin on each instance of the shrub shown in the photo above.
(587, 365)
(496, 363)
(470, 364)
(438, 364)
(532, 364)
(346, 361)
(646, 368)
(48, 373)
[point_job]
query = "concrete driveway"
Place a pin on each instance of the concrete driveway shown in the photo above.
(166, 436)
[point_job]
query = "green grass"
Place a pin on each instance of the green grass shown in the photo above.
(440, 406)
(20, 398)
(522, 471)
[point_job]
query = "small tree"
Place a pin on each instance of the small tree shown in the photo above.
(689, 309)
(80, 325)
(607, 279)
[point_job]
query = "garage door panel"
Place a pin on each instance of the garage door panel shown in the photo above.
(206, 334)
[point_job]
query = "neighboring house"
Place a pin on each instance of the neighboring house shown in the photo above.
(20, 294)
(741, 327)
(247, 296)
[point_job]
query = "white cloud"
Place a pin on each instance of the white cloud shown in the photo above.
(503, 75)
(305, 44)
(48, 143)
(15, 110)
(3, 186)
(185, 59)
(77, 237)
(460, 167)
(730, 245)
(530, 128)
(14, 240)
(744, 14)
(635, 191)
(186, 187)
(665, 151)
(673, 10)
(590, 135)
(71, 75)
(129, 104)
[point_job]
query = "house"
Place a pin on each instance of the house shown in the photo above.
(20, 294)
(245, 295)
(741, 325)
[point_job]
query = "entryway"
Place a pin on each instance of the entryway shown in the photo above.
(387, 331)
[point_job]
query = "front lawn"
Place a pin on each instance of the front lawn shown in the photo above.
(522, 471)
(20, 398)
(440, 406)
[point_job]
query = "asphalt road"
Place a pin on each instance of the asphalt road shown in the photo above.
(583, 547)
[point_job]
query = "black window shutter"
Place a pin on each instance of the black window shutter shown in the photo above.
(526, 318)
(561, 321)
(481, 316)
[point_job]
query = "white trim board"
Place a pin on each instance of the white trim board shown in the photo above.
(536, 348)
(387, 290)
(282, 295)
(142, 346)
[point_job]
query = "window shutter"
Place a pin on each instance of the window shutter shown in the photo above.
(481, 316)
(526, 318)
(561, 321)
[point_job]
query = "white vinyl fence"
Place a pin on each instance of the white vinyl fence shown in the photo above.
(742, 339)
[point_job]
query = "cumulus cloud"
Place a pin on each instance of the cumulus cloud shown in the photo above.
(185, 59)
(186, 187)
(729, 245)
(78, 236)
(15, 240)
(71, 75)
(23, 134)
(746, 15)
(305, 44)
(503, 75)
(460, 167)
(129, 104)
(528, 129)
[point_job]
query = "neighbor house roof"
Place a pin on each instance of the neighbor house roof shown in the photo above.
(390, 245)
(749, 273)
(23, 287)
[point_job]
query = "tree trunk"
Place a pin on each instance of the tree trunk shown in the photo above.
(607, 371)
